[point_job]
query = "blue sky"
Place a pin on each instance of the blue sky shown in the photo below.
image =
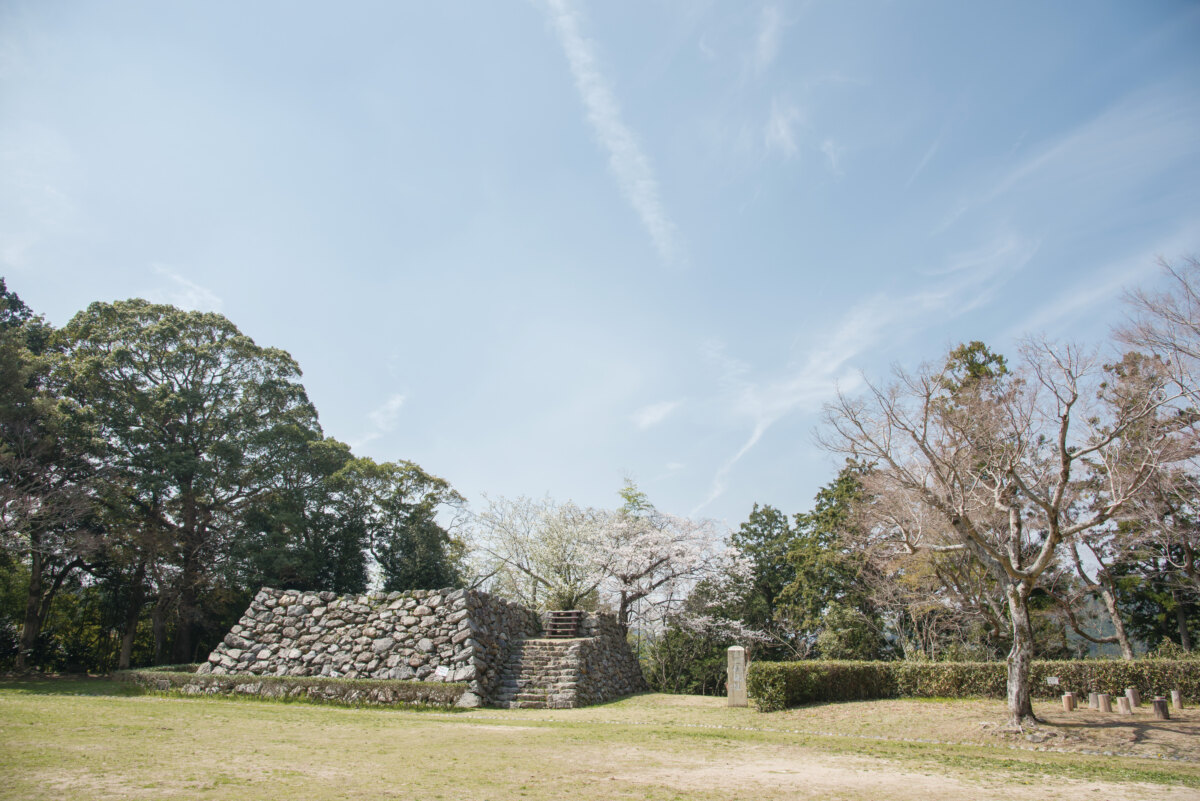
(538, 247)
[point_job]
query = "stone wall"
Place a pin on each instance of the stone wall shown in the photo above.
(495, 625)
(426, 635)
(608, 668)
(595, 667)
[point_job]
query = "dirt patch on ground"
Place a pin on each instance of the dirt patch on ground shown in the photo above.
(775, 773)
(980, 722)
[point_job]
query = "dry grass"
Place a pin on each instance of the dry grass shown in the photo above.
(966, 722)
(103, 743)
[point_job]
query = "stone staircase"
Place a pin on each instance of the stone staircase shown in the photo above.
(540, 674)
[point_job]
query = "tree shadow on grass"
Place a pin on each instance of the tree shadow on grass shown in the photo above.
(41, 684)
(1174, 738)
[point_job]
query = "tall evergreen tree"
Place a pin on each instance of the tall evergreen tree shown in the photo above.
(191, 412)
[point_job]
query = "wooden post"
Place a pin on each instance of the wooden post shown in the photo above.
(1160, 709)
(1124, 706)
(735, 682)
(1135, 700)
(1094, 700)
(1177, 700)
(1105, 702)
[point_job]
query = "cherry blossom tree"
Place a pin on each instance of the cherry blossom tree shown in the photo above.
(638, 561)
(654, 559)
(544, 554)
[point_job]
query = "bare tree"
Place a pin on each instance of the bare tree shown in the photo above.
(1167, 325)
(933, 599)
(1002, 467)
(1094, 579)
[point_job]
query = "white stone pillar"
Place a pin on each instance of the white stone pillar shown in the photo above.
(735, 681)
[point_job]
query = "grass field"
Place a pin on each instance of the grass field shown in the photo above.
(94, 739)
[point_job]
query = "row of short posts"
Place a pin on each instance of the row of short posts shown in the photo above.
(1127, 703)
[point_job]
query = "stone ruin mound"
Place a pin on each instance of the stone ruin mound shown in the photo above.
(494, 646)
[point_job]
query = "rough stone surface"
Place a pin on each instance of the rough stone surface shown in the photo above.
(429, 635)
(597, 666)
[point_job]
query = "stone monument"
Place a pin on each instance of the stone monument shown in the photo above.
(735, 682)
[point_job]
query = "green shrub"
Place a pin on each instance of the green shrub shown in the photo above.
(778, 685)
(950, 679)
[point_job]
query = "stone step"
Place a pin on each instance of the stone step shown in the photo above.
(539, 674)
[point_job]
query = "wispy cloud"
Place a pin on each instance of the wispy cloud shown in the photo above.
(1141, 135)
(184, 293)
(1006, 251)
(655, 413)
(384, 419)
(1104, 285)
(781, 133)
(629, 164)
(385, 416)
(669, 470)
(833, 155)
(829, 367)
(924, 162)
(766, 44)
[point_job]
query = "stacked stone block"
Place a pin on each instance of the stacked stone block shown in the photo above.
(541, 674)
(595, 667)
(426, 635)
(608, 667)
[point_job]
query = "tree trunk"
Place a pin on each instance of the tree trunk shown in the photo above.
(1020, 657)
(185, 620)
(158, 622)
(187, 611)
(1185, 637)
(32, 626)
(132, 615)
(38, 600)
(1108, 593)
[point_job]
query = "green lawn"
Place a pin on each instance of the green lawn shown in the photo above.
(94, 739)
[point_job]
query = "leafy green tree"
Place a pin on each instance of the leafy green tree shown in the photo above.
(300, 534)
(826, 571)
(46, 478)
(398, 504)
(191, 413)
(846, 633)
(1159, 607)
(765, 539)
(17, 317)
(969, 364)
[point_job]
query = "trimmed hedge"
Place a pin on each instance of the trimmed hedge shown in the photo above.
(778, 685)
(344, 692)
